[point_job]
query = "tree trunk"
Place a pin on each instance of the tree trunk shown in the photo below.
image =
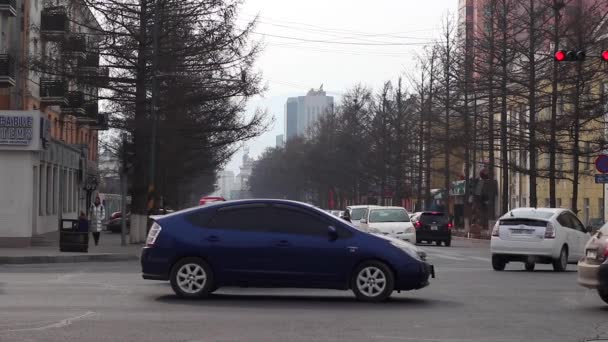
(532, 105)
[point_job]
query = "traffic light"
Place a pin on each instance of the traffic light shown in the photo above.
(570, 56)
(605, 55)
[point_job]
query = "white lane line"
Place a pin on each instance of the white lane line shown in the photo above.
(480, 258)
(60, 324)
(445, 256)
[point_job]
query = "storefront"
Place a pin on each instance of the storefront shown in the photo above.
(41, 180)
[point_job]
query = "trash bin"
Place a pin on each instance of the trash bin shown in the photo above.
(71, 239)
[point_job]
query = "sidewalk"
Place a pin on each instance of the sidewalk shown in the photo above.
(109, 249)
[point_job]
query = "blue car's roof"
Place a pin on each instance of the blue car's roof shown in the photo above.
(231, 203)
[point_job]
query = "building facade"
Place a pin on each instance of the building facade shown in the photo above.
(49, 125)
(302, 112)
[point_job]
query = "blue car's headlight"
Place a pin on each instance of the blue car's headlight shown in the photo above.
(409, 250)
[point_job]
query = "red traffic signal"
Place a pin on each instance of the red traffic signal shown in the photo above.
(605, 56)
(570, 56)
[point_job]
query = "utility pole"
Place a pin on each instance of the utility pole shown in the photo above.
(123, 191)
(153, 109)
(557, 6)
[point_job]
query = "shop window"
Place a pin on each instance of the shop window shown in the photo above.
(41, 192)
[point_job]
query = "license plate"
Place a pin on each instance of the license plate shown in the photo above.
(522, 231)
(592, 254)
(434, 228)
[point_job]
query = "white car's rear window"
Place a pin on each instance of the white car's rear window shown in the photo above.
(529, 213)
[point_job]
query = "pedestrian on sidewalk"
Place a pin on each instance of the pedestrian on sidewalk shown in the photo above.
(98, 215)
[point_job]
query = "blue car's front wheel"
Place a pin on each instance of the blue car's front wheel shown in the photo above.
(192, 278)
(373, 281)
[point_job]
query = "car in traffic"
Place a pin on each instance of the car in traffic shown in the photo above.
(277, 243)
(432, 226)
(595, 224)
(538, 235)
(210, 199)
(593, 266)
(391, 221)
(356, 212)
(114, 224)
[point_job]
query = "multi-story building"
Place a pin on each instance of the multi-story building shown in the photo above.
(49, 123)
(225, 184)
(302, 112)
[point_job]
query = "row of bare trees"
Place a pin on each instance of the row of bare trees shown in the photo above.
(486, 97)
(498, 98)
(361, 150)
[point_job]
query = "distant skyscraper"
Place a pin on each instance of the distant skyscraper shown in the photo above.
(302, 112)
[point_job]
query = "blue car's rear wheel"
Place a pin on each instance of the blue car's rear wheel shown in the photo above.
(373, 281)
(192, 278)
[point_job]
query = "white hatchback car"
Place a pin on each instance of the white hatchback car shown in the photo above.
(357, 212)
(391, 221)
(538, 235)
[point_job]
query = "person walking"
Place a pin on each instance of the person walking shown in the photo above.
(98, 215)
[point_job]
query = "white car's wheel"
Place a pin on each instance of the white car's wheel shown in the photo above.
(373, 281)
(560, 264)
(192, 278)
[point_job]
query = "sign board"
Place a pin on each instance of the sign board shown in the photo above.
(601, 179)
(601, 163)
(16, 130)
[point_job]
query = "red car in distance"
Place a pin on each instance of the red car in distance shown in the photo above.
(207, 200)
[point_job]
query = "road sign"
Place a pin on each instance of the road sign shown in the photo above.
(601, 163)
(601, 179)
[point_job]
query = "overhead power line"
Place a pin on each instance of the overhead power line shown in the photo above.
(338, 42)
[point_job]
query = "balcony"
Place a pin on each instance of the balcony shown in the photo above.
(89, 63)
(7, 71)
(54, 23)
(53, 92)
(90, 114)
(75, 103)
(102, 124)
(92, 75)
(75, 45)
(8, 7)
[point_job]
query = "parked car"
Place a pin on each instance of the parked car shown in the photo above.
(538, 235)
(357, 212)
(114, 224)
(432, 226)
(392, 221)
(277, 243)
(593, 267)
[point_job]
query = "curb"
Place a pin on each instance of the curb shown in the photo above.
(60, 259)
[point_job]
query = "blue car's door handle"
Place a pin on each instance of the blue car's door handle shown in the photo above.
(283, 243)
(212, 238)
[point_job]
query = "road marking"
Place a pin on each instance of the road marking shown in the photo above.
(480, 258)
(60, 324)
(445, 256)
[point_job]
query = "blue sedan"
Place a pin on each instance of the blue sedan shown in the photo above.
(277, 243)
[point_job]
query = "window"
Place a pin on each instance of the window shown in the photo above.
(547, 203)
(587, 155)
(576, 223)
(200, 218)
(357, 213)
(586, 210)
(290, 220)
(41, 192)
(251, 218)
(49, 190)
(388, 215)
(564, 220)
(600, 207)
(559, 202)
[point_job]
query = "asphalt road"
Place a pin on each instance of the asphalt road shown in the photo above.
(467, 302)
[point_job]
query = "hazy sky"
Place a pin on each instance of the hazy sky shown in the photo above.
(337, 43)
